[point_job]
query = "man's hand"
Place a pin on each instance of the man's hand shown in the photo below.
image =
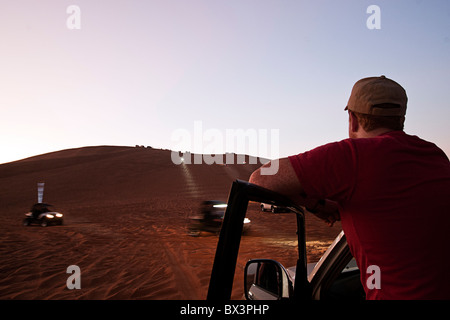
(328, 212)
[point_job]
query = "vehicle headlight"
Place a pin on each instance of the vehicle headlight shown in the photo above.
(50, 216)
(246, 220)
(220, 205)
(59, 215)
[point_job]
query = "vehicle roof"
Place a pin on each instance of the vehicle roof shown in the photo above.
(40, 206)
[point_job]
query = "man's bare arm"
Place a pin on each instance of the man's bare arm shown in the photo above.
(286, 182)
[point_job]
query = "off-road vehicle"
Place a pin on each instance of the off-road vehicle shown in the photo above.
(41, 214)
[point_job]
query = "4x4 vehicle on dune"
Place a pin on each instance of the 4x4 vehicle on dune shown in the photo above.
(334, 277)
(42, 215)
(209, 218)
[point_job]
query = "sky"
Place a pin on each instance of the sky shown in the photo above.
(181, 74)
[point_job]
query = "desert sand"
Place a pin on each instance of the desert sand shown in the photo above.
(125, 212)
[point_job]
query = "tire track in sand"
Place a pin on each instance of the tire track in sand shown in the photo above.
(187, 281)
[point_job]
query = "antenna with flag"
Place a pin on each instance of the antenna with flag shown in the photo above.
(40, 186)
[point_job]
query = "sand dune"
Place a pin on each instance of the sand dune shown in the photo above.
(125, 214)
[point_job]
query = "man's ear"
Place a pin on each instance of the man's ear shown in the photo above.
(354, 125)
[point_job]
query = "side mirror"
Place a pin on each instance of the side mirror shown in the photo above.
(266, 279)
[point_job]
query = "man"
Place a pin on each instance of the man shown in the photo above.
(390, 190)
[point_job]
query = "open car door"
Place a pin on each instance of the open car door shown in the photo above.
(334, 277)
(222, 275)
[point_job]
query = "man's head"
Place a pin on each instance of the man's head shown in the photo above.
(376, 105)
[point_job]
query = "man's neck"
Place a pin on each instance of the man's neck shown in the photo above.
(373, 133)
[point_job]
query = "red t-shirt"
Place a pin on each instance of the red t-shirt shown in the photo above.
(393, 192)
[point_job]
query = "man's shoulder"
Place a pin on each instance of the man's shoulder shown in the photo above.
(399, 138)
(395, 141)
(417, 145)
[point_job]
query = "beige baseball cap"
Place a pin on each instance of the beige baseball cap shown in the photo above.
(370, 96)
